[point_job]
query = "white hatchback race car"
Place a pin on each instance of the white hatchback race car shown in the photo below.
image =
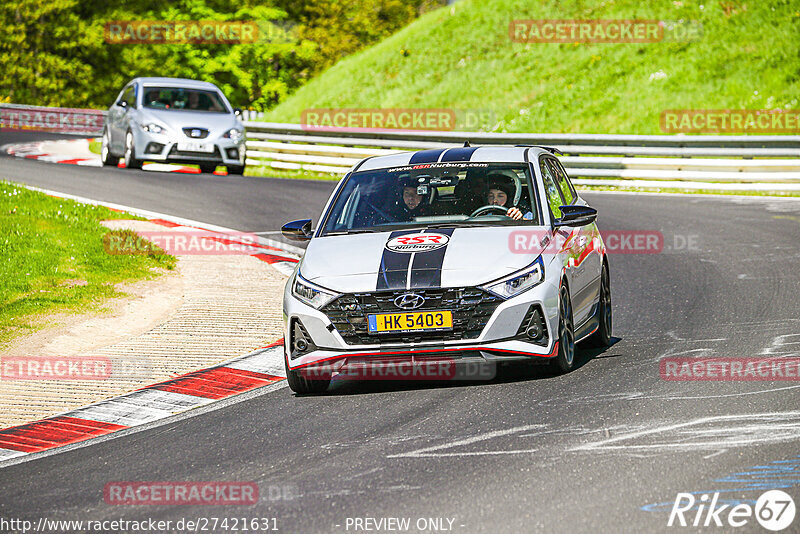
(472, 254)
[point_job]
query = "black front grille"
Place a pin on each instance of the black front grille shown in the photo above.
(210, 156)
(471, 309)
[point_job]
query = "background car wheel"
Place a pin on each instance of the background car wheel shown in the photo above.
(106, 156)
(130, 161)
(236, 169)
(208, 167)
(602, 337)
(302, 385)
(565, 359)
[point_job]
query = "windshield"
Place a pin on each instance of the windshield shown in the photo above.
(180, 99)
(436, 194)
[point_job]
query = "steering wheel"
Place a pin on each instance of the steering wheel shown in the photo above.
(489, 207)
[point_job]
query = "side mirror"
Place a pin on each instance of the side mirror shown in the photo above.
(237, 112)
(297, 230)
(576, 216)
(122, 104)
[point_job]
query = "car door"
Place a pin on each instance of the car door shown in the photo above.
(591, 260)
(118, 118)
(571, 241)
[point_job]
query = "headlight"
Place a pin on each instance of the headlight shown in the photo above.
(520, 281)
(234, 134)
(311, 294)
(153, 128)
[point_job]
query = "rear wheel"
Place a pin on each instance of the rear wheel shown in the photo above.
(106, 156)
(565, 359)
(602, 337)
(303, 385)
(130, 153)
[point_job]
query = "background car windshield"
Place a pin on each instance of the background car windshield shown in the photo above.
(439, 193)
(175, 98)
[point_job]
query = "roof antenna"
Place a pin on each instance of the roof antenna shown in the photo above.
(466, 144)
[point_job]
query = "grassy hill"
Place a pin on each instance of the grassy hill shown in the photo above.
(461, 57)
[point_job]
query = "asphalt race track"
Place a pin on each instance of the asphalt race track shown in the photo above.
(605, 448)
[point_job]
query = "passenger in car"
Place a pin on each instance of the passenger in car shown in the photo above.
(501, 191)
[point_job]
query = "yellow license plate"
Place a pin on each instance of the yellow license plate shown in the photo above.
(410, 322)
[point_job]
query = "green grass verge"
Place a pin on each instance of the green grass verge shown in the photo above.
(95, 146)
(461, 57)
(54, 260)
(272, 172)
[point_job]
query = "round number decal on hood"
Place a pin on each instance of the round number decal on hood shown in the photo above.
(417, 242)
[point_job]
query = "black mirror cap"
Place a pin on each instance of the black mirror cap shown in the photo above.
(576, 215)
(297, 230)
(237, 112)
(122, 104)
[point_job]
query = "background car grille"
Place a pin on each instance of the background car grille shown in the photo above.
(471, 309)
(215, 156)
(196, 133)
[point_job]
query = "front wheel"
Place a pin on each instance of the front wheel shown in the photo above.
(565, 359)
(236, 169)
(300, 384)
(106, 156)
(208, 168)
(602, 337)
(130, 153)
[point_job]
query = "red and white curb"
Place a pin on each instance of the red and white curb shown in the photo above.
(146, 405)
(35, 151)
(164, 399)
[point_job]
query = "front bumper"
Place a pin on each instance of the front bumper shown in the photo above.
(163, 147)
(499, 340)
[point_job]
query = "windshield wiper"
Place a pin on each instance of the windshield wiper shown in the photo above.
(346, 232)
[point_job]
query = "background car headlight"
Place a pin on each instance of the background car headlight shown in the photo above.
(234, 134)
(518, 282)
(153, 128)
(311, 294)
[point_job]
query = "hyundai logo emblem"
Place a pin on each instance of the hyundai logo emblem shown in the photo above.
(196, 133)
(409, 301)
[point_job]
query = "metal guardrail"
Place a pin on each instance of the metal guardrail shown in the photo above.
(705, 158)
(701, 158)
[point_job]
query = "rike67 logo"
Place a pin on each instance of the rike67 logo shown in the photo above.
(774, 510)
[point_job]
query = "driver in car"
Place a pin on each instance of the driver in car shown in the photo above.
(500, 191)
(413, 204)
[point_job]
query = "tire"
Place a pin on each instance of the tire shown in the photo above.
(208, 168)
(130, 161)
(236, 169)
(602, 337)
(304, 386)
(106, 156)
(565, 359)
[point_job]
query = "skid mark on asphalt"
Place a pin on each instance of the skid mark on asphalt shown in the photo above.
(716, 433)
(433, 452)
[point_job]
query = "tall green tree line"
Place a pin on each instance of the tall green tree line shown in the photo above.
(54, 52)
